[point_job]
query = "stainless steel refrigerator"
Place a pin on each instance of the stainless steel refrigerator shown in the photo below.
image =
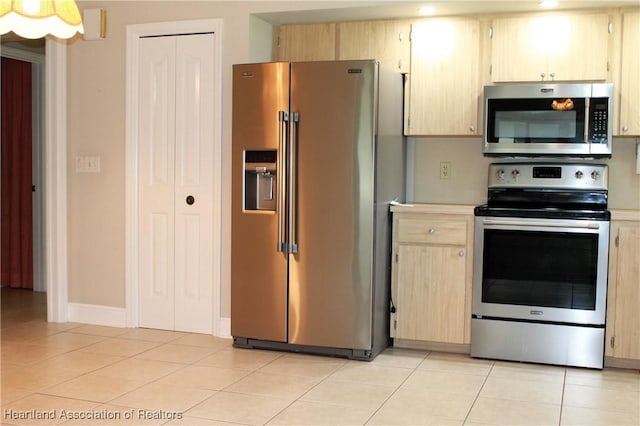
(318, 156)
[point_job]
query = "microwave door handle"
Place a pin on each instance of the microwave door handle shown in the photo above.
(587, 118)
(523, 223)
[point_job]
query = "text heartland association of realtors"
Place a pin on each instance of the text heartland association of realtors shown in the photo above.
(62, 414)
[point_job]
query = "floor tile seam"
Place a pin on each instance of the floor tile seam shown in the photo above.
(137, 356)
(527, 369)
(300, 396)
(341, 405)
(527, 380)
(42, 393)
(603, 388)
(136, 407)
(48, 388)
(29, 393)
(475, 400)
(608, 409)
(67, 351)
(104, 336)
(382, 404)
(109, 401)
(451, 371)
(600, 380)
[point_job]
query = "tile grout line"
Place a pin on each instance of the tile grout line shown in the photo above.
(395, 390)
(478, 394)
(564, 383)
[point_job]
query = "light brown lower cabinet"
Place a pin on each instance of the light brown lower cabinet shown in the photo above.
(431, 277)
(623, 297)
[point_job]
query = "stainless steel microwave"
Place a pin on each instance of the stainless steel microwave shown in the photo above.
(548, 119)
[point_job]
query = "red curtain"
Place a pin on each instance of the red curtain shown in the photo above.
(16, 266)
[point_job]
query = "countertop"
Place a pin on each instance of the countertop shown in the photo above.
(433, 208)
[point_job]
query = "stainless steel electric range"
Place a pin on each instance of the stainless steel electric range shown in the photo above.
(540, 264)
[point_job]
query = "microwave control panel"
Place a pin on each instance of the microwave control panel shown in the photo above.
(598, 120)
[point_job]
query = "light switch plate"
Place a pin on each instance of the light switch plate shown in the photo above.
(88, 164)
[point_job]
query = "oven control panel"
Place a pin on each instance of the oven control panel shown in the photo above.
(548, 175)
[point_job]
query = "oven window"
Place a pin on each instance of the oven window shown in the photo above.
(534, 121)
(549, 269)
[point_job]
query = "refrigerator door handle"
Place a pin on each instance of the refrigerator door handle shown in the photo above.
(293, 174)
(283, 118)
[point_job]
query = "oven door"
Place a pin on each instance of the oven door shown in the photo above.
(543, 270)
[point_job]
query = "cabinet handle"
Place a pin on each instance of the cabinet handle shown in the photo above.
(432, 231)
(472, 129)
(542, 76)
(625, 129)
(461, 253)
(552, 75)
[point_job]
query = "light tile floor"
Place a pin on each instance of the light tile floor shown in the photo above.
(155, 377)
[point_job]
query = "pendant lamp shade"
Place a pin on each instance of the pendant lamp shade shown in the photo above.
(38, 18)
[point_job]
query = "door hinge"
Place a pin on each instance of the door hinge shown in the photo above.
(613, 341)
(395, 324)
(608, 66)
(396, 257)
(610, 28)
(490, 32)
(490, 69)
(617, 244)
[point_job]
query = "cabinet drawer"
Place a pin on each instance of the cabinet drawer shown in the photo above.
(432, 231)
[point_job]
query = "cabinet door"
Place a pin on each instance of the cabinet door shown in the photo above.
(312, 42)
(630, 76)
(444, 89)
(517, 53)
(627, 315)
(385, 41)
(431, 293)
(550, 48)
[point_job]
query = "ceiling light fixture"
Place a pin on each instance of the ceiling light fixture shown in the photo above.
(549, 4)
(38, 18)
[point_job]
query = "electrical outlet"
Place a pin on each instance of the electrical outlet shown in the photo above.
(445, 170)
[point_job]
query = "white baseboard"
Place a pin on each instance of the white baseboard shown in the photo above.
(97, 314)
(117, 317)
(224, 327)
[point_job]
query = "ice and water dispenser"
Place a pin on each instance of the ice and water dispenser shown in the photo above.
(260, 186)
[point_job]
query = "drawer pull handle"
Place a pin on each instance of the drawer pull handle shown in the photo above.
(432, 231)
(461, 253)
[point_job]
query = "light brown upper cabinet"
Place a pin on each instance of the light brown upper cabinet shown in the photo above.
(385, 41)
(630, 75)
(443, 82)
(311, 42)
(558, 47)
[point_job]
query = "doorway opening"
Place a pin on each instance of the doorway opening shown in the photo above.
(23, 79)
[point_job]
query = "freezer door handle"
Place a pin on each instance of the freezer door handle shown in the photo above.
(283, 118)
(293, 174)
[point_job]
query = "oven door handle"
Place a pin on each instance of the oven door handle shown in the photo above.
(589, 225)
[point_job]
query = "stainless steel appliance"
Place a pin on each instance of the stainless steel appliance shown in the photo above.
(540, 265)
(317, 158)
(550, 119)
